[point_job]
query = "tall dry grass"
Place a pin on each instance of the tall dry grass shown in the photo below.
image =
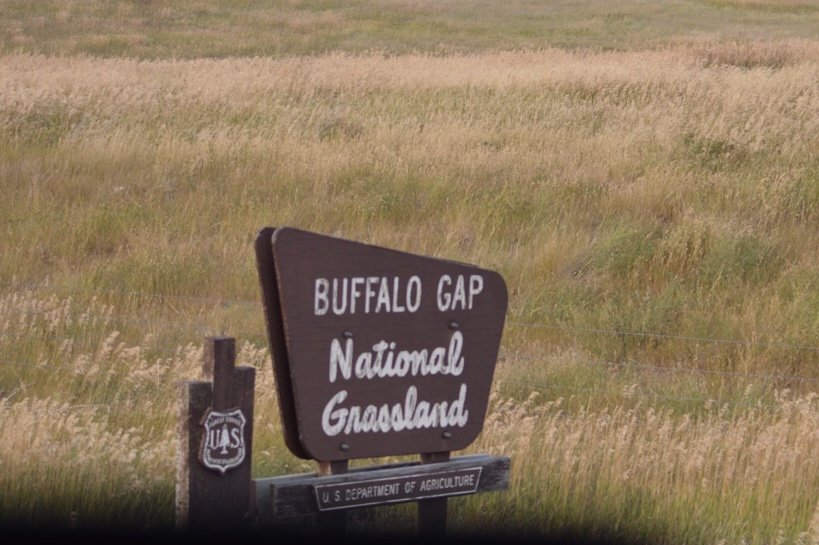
(94, 448)
(639, 204)
(653, 476)
(623, 191)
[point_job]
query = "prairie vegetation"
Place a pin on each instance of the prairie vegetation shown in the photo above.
(651, 198)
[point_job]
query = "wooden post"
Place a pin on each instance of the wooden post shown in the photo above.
(333, 523)
(213, 485)
(432, 512)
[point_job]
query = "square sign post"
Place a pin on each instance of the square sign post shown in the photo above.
(215, 435)
(376, 353)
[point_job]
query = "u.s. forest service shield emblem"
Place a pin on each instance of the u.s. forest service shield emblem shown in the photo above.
(223, 444)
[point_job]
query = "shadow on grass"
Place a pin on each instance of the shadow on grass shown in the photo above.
(46, 535)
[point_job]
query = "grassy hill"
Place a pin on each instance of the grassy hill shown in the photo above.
(185, 29)
(643, 174)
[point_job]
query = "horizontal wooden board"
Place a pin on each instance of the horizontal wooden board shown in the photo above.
(385, 490)
(294, 495)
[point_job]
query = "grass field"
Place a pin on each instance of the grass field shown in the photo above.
(644, 175)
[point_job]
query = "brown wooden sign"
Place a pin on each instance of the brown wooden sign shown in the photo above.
(377, 352)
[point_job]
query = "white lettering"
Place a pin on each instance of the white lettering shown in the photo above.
(444, 299)
(339, 307)
(370, 290)
(396, 307)
(455, 362)
(366, 295)
(413, 294)
(475, 287)
(354, 292)
(382, 361)
(409, 415)
(383, 296)
(332, 419)
(236, 439)
(321, 301)
(460, 293)
(343, 359)
(455, 294)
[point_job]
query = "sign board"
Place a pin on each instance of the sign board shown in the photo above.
(387, 490)
(288, 496)
(377, 352)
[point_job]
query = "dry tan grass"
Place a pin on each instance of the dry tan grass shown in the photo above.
(738, 474)
(680, 471)
(769, 3)
(668, 191)
(29, 79)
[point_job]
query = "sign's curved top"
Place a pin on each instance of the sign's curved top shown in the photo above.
(377, 352)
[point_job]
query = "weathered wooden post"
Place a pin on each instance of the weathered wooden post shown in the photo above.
(333, 523)
(432, 512)
(213, 485)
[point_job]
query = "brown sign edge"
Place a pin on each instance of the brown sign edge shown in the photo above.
(275, 334)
